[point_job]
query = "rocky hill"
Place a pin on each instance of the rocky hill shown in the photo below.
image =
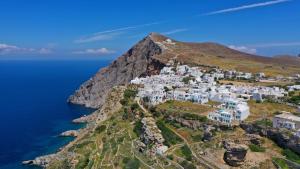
(138, 61)
(152, 53)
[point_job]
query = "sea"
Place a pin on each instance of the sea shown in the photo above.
(34, 108)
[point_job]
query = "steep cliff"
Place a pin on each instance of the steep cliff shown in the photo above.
(138, 61)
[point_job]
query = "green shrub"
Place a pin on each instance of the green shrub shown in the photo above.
(290, 155)
(131, 163)
(170, 157)
(124, 102)
(100, 129)
(138, 128)
(170, 137)
(265, 123)
(197, 138)
(134, 106)
(166, 89)
(186, 152)
(256, 148)
(295, 99)
(189, 116)
(186, 165)
(281, 162)
(186, 80)
(129, 93)
(82, 163)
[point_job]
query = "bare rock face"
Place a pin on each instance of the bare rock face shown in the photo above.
(42, 161)
(235, 153)
(138, 61)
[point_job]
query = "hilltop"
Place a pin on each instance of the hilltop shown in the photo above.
(152, 53)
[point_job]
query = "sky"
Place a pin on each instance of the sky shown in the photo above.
(105, 29)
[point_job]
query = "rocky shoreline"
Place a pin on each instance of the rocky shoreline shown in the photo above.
(70, 133)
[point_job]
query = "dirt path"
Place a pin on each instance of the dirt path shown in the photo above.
(200, 160)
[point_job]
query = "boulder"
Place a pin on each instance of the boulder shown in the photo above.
(235, 154)
(207, 136)
(254, 139)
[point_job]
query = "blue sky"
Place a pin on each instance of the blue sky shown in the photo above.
(107, 28)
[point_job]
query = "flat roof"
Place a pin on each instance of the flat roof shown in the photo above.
(289, 116)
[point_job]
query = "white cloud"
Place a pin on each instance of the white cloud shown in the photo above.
(110, 34)
(101, 51)
(12, 49)
(175, 31)
(45, 51)
(268, 3)
(243, 49)
(127, 28)
(280, 44)
(98, 37)
(4, 48)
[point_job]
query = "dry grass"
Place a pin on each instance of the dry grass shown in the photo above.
(266, 110)
(185, 107)
(212, 54)
(246, 83)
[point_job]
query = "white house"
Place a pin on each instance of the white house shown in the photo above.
(222, 116)
(294, 87)
(195, 71)
(242, 75)
(241, 111)
(286, 120)
(182, 69)
(199, 98)
(167, 71)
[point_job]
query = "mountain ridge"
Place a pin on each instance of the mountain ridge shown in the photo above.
(153, 52)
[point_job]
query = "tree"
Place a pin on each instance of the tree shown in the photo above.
(166, 89)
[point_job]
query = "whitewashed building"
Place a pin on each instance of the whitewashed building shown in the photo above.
(222, 116)
(286, 120)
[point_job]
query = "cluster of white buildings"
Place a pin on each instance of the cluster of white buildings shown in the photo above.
(232, 110)
(186, 83)
(232, 74)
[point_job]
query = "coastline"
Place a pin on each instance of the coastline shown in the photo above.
(92, 120)
(44, 160)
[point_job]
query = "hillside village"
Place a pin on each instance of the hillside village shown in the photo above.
(184, 83)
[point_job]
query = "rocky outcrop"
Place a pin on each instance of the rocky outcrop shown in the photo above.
(254, 139)
(42, 161)
(151, 133)
(138, 61)
(235, 154)
(84, 119)
(281, 137)
(70, 133)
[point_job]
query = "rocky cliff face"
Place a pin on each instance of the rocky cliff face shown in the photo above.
(138, 61)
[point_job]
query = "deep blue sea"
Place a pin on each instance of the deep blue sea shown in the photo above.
(33, 107)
